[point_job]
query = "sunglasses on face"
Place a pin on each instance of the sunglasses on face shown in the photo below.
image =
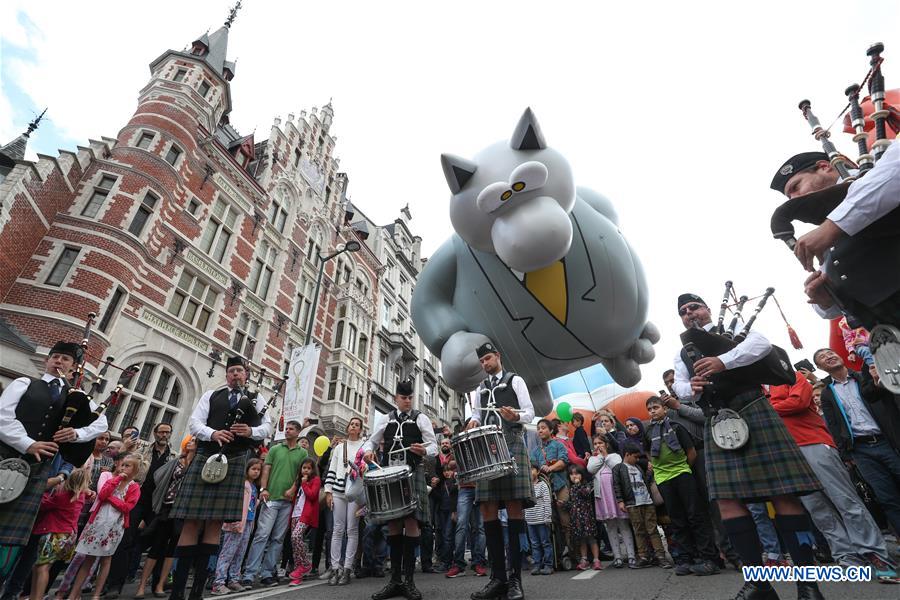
(688, 307)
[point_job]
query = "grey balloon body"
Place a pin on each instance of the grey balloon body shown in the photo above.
(518, 218)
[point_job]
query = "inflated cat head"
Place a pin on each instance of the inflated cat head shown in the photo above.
(513, 199)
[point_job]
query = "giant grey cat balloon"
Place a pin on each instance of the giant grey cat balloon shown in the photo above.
(538, 266)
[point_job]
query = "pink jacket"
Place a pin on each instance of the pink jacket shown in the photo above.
(106, 496)
(238, 526)
(853, 337)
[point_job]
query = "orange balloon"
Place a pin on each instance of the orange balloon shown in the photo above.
(632, 404)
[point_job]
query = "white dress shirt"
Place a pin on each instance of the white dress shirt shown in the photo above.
(751, 349)
(12, 432)
(202, 431)
(871, 197)
(429, 440)
(524, 398)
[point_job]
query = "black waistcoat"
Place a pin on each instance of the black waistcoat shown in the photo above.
(38, 413)
(866, 267)
(222, 416)
(502, 397)
(411, 434)
(723, 389)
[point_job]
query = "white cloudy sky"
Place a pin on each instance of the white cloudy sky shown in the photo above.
(678, 111)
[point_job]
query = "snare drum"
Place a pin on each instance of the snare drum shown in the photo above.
(481, 454)
(389, 493)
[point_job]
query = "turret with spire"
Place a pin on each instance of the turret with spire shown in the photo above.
(15, 150)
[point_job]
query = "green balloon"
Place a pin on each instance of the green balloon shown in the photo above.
(564, 411)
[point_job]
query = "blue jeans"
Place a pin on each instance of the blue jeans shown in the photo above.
(541, 549)
(444, 524)
(469, 528)
(865, 355)
(274, 519)
(879, 464)
(768, 537)
(374, 546)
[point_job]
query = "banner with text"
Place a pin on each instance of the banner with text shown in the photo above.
(298, 390)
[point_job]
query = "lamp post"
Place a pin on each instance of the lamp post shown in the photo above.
(351, 246)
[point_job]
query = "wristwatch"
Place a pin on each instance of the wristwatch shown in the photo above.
(262, 490)
(63, 474)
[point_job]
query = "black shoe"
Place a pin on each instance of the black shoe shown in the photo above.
(808, 590)
(705, 567)
(410, 590)
(379, 573)
(514, 589)
(428, 569)
(494, 589)
(268, 581)
(391, 590)
(682, 569)
(641, 563)
(757, 591)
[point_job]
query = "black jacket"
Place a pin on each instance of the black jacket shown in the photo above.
(622, 483)
(880, 402)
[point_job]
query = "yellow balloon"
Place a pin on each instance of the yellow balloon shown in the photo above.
(321, 445)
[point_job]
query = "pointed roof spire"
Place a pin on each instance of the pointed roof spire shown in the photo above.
(16, 148)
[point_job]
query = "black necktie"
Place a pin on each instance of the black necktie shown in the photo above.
(403, 416)
(55, 391)
(495, 380)
(233, 398)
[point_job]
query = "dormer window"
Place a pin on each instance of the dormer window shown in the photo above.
(199, 48)
(204, 88)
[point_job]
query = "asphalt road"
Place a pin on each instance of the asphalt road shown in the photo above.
(646, 584)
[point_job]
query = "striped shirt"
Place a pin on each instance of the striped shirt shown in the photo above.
(542, 511)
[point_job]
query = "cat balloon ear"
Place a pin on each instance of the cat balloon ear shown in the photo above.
(457, 170)
(528, 135)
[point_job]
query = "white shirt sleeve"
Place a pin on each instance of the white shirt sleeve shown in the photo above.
(92, 430)
(477, 413)
(521, 390)
(827, 313)
(374, 440)
(754, 347)
(428, 437)
(264, 429)
(12, 432)
(871, 197)
(682, 385)
(199, 428)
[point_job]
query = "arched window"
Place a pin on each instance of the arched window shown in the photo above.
(363, 349)
(278, 210)
(153, 396)
(247, 329)
(262, 270)
(339, 334)
(351, 338)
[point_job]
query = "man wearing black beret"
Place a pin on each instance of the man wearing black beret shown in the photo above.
(858, 245)
(408, 437)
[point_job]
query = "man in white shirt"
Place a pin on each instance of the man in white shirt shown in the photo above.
(769, 466)
(515, 491)
(858, 245)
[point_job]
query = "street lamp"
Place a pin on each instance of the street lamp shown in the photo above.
(351, 246)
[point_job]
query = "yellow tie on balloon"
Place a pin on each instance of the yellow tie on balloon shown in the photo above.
(548, 286)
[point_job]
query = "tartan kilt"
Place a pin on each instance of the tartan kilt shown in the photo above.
(769, 464)
(420, 491)
(17, 517)
(517, 485)
(223, 501)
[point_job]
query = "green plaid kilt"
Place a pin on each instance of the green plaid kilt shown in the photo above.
(516, 486)
(420, 491)
(769, 464)
(223, 501)
(17, 517)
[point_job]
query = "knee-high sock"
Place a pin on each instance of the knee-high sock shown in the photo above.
(745, 540)
(796, 531)
(409, 555)
(395, 543)
(185, 560)
(201, 569)
(493, 533)
(516, 528)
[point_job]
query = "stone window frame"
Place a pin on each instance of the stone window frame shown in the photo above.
(66, 276)
(99, 191)
(187, 292)
(223, 221)
(138, 404)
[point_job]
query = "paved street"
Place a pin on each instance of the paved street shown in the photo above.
(647, 584)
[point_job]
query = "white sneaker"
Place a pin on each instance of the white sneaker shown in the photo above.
(326, 575)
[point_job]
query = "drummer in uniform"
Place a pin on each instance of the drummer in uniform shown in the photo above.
(411, 429)
(513, 491)
(208, 505)
(31, 411)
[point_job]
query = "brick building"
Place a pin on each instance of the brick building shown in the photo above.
(192, 242)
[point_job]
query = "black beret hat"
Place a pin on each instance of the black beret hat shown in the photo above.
(794, 165)
(67, 348)
(685, 298)
(404, 388)
(235, 361)
(485, 349)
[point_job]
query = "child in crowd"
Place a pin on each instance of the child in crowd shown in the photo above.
(236, 536)
(857, 342)
(538, 518)
(580, 438)
(445, 519)
(671, 451)
(57, 524)
(631, 484)
(606, 509)
(305, 518)
(581, 511)
(107, 524)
